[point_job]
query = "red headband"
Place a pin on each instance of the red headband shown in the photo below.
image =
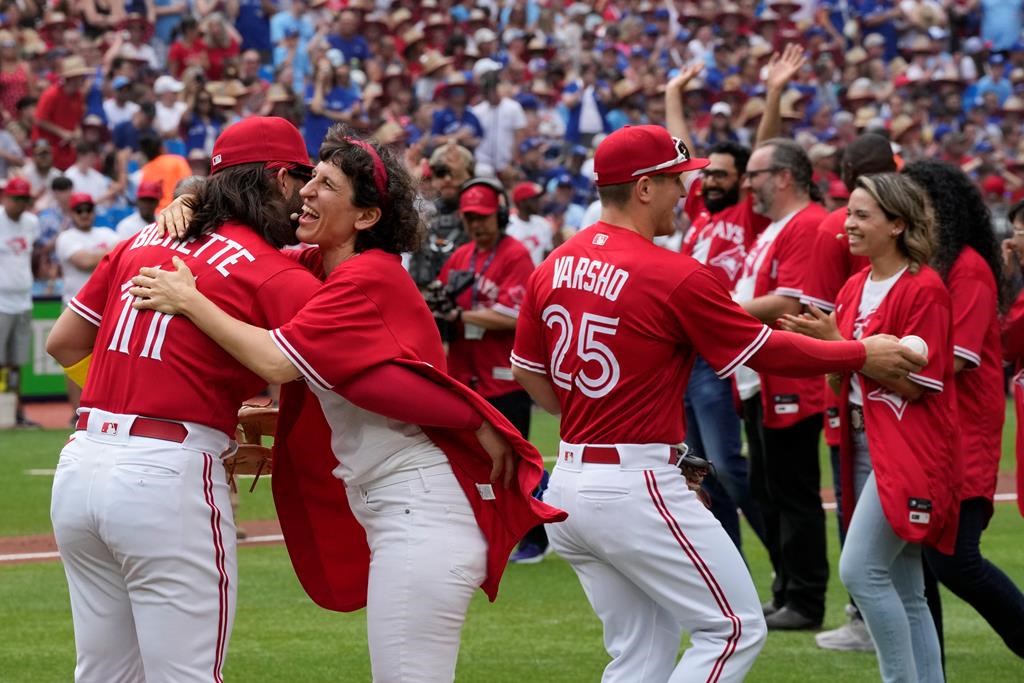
(380, 173)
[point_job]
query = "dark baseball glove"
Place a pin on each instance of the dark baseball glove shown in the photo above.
(695, 469)
(256, 418)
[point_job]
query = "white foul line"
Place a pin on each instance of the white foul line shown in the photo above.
(54, 555)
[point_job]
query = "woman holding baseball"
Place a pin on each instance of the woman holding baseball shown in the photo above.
(967, 258)
(900, 436)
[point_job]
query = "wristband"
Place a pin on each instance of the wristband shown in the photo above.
(79, 371)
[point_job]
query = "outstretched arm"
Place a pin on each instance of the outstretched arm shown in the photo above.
(675, 115)
(781, 70)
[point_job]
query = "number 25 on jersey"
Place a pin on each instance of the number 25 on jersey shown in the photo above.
(591, 351)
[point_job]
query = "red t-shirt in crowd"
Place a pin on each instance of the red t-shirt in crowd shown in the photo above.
(720, 240)
(163, 366)
(483, 363)
(979, 386)
(64, 110)
(181, 56)
(615, 323)
(217, 57)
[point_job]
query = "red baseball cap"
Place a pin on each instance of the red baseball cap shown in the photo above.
(635, 151)
(79, 198)
(259, 139)
(479, 199)
(837, 190)
(18, 187)
(153, 189)
(526, 190)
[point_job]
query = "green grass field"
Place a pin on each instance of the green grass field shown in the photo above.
(540, 629)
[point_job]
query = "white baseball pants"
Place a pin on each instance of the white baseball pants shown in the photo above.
(145, 530)
(653, 561)
(428, 557)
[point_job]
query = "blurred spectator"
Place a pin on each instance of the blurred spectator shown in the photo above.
(450, 167)
(253, 23)
(18, 231)
(162, 168)
(15, 81)
(347, 39)
(333, 98)
(119, 108)
(60, 111)
(86, 179)
(1001, 23)
(188, 50)
(222, 44)
(53, 220)
(453, 121)
(11, 155)
(994, 81)
(169, 108)
(40, 172)
(147, 197)
(199, 162)
(126, 135)
(202, 124)
(526, 225)
(503, 122)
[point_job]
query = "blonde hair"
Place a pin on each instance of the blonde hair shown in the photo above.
(901, 198)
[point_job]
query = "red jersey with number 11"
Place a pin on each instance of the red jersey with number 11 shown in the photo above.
(615, 322)
(162, 366)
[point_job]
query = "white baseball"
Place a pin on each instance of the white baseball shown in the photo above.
(915, 344)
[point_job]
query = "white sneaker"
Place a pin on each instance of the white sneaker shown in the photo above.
(852, 636)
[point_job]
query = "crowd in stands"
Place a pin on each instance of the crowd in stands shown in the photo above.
(111, 93)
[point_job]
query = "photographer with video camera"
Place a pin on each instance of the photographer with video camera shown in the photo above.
(479, 292)
(451, 165)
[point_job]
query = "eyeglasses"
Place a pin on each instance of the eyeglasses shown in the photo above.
(85, 209)
(440, 171)
(714, 174)
(771, 169)
(682, 156)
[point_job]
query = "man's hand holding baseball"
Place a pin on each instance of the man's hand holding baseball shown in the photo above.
(887, 359)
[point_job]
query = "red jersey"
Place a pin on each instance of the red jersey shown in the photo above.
(979, 386)
(615, 322)
(720, 240)
(163, 366)
(781, 270)
(369, 312)
(57, 107)
(482, 363)
(1013, 352)
(833, 266)
(914, 445)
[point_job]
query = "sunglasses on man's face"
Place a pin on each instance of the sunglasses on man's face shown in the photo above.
(440, 171)
(85, 209)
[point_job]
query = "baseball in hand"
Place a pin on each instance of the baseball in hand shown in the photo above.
(915, 344)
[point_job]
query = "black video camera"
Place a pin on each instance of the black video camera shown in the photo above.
(440, 298)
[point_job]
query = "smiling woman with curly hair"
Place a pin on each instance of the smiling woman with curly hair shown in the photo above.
(967, 258)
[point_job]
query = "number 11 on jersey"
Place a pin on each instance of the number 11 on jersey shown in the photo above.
(588, 348)
(126, 321)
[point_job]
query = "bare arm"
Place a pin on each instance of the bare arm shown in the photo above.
(539, 388)
(175, 292)
(771, 307)
(489, 319)
(781, 70)
(71, 338)
(675, 116)
(87, 259)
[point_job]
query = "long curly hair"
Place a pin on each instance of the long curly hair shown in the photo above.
(400, 227)
(961, 219)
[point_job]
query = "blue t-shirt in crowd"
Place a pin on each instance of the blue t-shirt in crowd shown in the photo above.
(125, 134)
(355, 47)
(447, 122)
(254, 25)
(199, 134)
(1001, 22)
(338, 99)
(887, 29)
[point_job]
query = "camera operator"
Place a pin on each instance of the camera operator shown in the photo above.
(484, 317)
(451, 165)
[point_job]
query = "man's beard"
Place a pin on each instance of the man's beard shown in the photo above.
(723, 200)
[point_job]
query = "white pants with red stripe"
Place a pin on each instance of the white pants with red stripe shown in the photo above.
(145, 531)
(653, 561)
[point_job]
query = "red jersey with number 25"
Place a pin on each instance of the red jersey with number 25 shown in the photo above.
(615, 322)
(163, 366)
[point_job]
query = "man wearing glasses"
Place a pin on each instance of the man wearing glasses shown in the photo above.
(451, 165)
(79, 250)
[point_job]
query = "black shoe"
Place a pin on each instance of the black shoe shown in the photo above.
(769, 608)
(788, 619)
(24, 423)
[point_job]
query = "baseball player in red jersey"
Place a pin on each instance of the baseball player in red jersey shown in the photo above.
(140, 500)
(414, 518)
(606, 336)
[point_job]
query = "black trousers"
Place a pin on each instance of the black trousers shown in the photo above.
(785, 479)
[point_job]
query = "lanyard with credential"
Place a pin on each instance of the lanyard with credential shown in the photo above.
(476, 275)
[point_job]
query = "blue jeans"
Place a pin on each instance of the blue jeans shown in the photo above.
(884, 575)
(713, 430)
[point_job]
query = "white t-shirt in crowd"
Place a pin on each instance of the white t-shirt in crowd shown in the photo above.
(500, 123)
(748, 382)
(117, 113)
(72, 241)
(16, 240)
(590, 115)
(91, 181)
(40, 181)
(534, 234)
(871, 298)
(130, 226)
(168, 119)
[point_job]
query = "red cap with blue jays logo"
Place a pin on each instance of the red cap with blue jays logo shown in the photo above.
(635, 151)
(259, 139)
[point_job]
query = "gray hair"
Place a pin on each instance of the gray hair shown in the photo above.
(789, 155)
